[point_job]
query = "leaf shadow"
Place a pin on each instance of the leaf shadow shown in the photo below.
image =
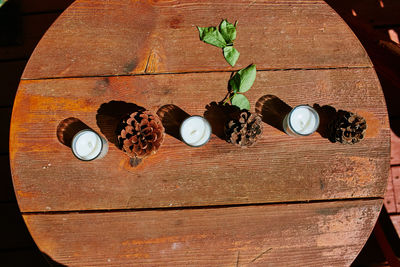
(218, 115)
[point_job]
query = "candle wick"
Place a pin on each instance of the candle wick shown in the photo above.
(193, 132)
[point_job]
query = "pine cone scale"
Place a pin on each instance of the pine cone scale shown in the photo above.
(245, 130)
(347, 128)
(140, 134)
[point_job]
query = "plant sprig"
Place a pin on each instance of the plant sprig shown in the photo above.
(240, 83)
(222, 37)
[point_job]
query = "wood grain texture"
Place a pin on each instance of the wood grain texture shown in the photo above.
(396, 185)
(395, 149)
(390, 196)
(160, 36)
(317, 234)
(48, 177)
(396, 222)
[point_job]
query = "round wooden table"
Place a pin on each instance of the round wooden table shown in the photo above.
(284, 202)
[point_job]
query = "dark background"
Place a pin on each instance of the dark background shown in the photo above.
(23, 22)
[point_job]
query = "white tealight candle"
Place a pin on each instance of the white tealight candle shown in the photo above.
(88, 145)
(195, 131)
(302, 120)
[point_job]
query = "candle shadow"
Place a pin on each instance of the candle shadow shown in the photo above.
(172, 117)
(68, 128)
(109, 116)
(272, 110)
(327, 114)
(218, 116)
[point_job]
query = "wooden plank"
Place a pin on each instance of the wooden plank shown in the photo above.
(396, 222)
(390, 199)
(313, 234)
(125, 37)
(395, 149)
(13, 231)
(396, 185)
(395, 140)
(6, 187)
(178, 175)
(5, 117)
(33, 27)
(40, 6)
(10, 74)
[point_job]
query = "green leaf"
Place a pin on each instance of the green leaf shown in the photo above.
(212, 36)
(243, 80)
(241, 101)
(228, 31)
(231, 55)
(2, 2)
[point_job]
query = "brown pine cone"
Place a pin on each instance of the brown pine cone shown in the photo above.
(244, 130)
(140, 134)
(347, 128)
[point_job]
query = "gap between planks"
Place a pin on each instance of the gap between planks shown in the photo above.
(190, 72)
(200, 207)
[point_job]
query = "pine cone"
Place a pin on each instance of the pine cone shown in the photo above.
(245, 130)
(140, 134)
(347, 128)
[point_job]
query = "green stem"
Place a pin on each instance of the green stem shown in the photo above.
(228, 99)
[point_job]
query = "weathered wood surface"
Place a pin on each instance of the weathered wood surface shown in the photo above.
(278, 168)
(396, 222)
(317, 234)
(390, 195)
(395, 149)
(113, 38)
(160, 36)
(396, 185)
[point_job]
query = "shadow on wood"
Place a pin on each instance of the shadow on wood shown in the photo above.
(172, 117)
(272, 110)
(218, 116)
(327, 114)
(109, 116)
(68, 128)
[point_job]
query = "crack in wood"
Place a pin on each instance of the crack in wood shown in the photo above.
(259, 256)
(188, 72)
(147, 63)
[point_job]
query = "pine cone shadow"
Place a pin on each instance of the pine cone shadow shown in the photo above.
(172, 117)
(327, 114)
(68, 128)
(109, 116)
(273, 110)
(218, 115)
